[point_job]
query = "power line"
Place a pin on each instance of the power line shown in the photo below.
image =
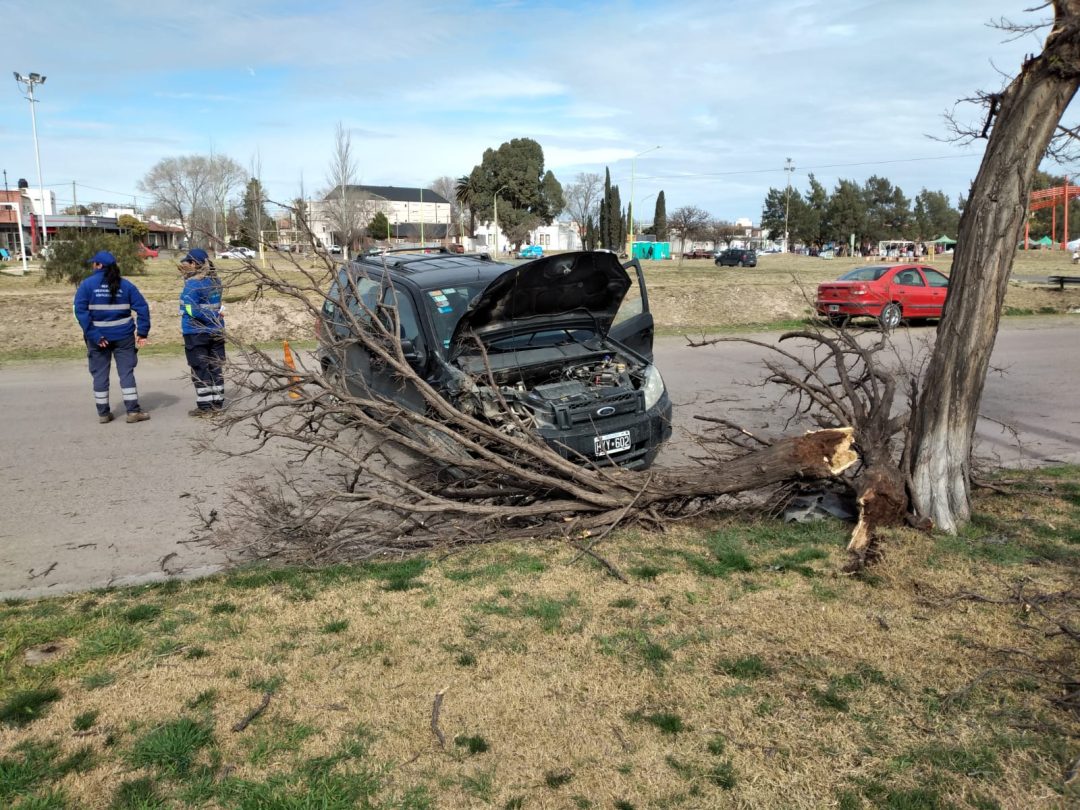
(692, 176)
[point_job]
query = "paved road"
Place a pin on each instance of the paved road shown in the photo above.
(117, 503)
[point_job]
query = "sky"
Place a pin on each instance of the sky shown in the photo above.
(727, 89)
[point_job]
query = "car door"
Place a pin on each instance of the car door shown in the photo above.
(909, 289)
(348, 308)
(397, 306)
(633, 323)
(937, 285)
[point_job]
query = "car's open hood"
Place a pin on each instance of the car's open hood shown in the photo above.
(581, 288)
(584, 288)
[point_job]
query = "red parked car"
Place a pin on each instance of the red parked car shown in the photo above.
(888, 292)
(147, 252)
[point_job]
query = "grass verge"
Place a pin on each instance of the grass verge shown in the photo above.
(738, 669)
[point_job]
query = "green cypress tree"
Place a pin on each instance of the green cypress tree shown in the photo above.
(660, 227)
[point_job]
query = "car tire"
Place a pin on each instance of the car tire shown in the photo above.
(890, 316)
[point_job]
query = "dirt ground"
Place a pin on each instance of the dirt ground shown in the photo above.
(686, 296)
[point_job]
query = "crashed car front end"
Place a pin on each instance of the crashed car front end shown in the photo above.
(595, 402)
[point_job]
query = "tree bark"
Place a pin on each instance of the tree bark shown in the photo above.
(1027, 115)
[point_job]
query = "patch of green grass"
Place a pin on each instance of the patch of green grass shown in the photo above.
(141, 613)
(283, 737)
(646, 572)
(666, 722)
(138, 794)
(717, 745)
(491, 608)
(98, 680)
(557, 778)
(549, 612)
(221, 608)
(625, 603)
(466, 659)
(32, 763)
(514, 563)
(728, 557)
(85, 721)
(26, 706)
(722, 774)
(830, 698)
(747, 667)
(204, 700)
(195, 652)
(481, 784)
(171, 748)
(54, 799)
(115, 639)
(473, 744)
(973, 762)
(337, 626)
(796, 561)
(397, 575)
(271, 684)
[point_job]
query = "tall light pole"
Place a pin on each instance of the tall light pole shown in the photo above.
(30, 81)
(495, 216)
(789, 169)
(633, 172)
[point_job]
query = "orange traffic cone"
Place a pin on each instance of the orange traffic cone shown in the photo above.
(291, 365)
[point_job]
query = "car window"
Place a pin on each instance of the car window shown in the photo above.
(864, 274)
(934, 278)
(909, 278)
(446, 305)
(408, 321)
(632, 303)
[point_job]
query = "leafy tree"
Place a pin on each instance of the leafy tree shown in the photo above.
(888, 212)
(845, 213)
(660, 223)
(782, 206)
(528, 196)
(136, 228)
(813, 217)
(69, 253)
(77, 211)
(467, 193)
(934, 216)
(379, 227)
(1041, 222)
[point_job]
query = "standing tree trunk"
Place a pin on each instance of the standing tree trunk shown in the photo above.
(1024, 117)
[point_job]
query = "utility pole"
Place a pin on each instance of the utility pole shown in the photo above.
(789, 169)
(74, 198)
(30, 81)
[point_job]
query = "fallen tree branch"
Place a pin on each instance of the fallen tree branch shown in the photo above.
(246, 721)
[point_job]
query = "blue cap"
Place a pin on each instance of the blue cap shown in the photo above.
(102, 257)
(196, 255)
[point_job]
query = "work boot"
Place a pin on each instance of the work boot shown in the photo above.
(137, 416)
(105, 418)
(200, 412)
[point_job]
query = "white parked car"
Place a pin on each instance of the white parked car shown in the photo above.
(237, 252)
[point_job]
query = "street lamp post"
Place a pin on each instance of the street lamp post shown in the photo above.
(789, 168)
(30, 81)
(495, 216)
(633, 172)
(22, 240)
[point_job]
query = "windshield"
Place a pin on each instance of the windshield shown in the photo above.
(870, 273)
(447, 305)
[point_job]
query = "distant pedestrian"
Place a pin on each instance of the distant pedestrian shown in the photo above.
(203, 327)
(115, 320)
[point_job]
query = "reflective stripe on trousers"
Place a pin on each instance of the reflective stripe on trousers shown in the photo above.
(100, 362)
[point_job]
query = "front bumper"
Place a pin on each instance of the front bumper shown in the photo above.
(648, 431)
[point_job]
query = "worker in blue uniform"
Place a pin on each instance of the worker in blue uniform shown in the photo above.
(203, 327)
(115, 320)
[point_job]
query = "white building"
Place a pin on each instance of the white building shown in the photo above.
(34, 195)
(405, 210)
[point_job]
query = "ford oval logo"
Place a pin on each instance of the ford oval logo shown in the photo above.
(607, 410)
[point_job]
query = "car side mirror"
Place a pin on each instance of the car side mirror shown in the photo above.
(413, 356)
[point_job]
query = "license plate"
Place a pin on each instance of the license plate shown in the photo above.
(834, 307)
(611, 443)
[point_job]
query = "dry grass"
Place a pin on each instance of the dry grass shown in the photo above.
(689, 296)
(740, 669)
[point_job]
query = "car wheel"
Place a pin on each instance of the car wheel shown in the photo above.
(890, 316)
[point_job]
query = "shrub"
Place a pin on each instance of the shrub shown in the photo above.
(68, 255)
